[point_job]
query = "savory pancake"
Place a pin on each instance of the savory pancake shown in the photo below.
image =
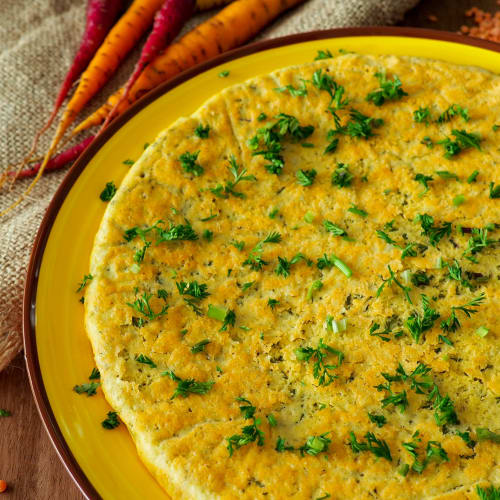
(295, 289)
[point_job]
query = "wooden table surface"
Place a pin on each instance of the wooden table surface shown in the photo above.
(27, 460)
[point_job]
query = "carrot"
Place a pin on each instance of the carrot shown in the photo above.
(167, 24)
(55, 163)
(210, 4)
(3, 486)
(101, 15)
(120, 40)
(232, 26)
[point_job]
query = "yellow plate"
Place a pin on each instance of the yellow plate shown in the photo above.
(105, 463)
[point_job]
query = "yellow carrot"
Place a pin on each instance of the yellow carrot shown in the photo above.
(229, 28)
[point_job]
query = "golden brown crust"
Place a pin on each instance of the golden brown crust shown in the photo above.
(183, 441)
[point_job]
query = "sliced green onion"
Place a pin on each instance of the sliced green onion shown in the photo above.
(439, 263)
(458, 200)
(218, 313)
(328, 323)
(403, 470)
(341, 265)
(135, 268)
(309, 217)
(315, 285)
(482, 331)
(406, 276)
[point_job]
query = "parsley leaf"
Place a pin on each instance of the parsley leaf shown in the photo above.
(85, 280)
(390, 90)
(376, 446)
(185, 387)
(284, 265)
(272, 303)
(342, 177)
(306, 177)
(189, 165)
(424, 180)
(202, 131)
(494, 190)
(143, 306)
(392, 279)
(435, 233)
(418, 323)
(380, 420)
(111, 421)
(193, 288)
(249, 433)
(90, 388)
(489, 493)
(315, 445)
(452, 111)
(238, 176)
(200, 346)
(145, 360)
(422, 115)
(323, 54)
(300, 91)
(108, 192)
(358, 211)
(321, 370)
(334, 229)
(452, 323)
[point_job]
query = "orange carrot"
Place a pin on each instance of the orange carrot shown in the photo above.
(210, 4)
(120, 40)
(3, 486)
(232, 26)
(101, 15)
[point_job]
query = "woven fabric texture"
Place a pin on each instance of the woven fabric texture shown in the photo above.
(38, 39)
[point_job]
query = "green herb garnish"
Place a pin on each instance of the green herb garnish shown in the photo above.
(418, 323)
(187, 386)
(315, 445)
(306, 177)
(108, 192)
(249, 433)
(111, 421)
(145, 360)
(84, 282)
(376, 446)
(189, 165)
(200, 346)
(323, 54)
(202, 131)
(90, 388)
(321, 370)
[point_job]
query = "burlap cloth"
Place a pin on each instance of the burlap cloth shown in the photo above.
(38, 39)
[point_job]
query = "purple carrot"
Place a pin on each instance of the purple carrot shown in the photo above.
(55, 163)
(101, 15)
(168, 22)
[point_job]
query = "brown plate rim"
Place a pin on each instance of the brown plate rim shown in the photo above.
(29, 300)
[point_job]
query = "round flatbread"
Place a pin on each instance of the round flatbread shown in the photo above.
(295, 289)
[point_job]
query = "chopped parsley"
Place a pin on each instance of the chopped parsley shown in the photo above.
(390, 90)
(463, 140)
(419, 278)
(200, 346)
(306, 177)
(89, 388)
(108, 192)
(321, 370)
(315, 285)
(240, 245)
(224, 73)
(494, 190)
(95, 374)
(111, 421)
(281, 446)
(446, 174)
(145, 360)
(452, 323)
(323, 54)
(484, 434)
(254, 259)
(359, 125)
(427, 141)
(434, 233)
(262, 117)
(372, 444)
(271, 137)
(248, 285)
(273, 213)
(358, 211)
(185, 387)
(455, 273)
(238, 176)
(284, 265)
(272, 420)
(477, 242)
(422, 115)
(202, 131)
(489, 493)
(418, 323)
(380, 420)
(249, 433)
(424, 180)
(189, 164)
(333, 260)
(193, 288)
(444, 409)
(342, 177)
(84, 282)
(451, 112)
(272, 303)
(334, 229)
(383, 334)
(299, 91)
(208, 235)
(176, 232)
(142, 306)
(5, 413)
(392, 279)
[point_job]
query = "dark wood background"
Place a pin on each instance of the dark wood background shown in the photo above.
(27, 460)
